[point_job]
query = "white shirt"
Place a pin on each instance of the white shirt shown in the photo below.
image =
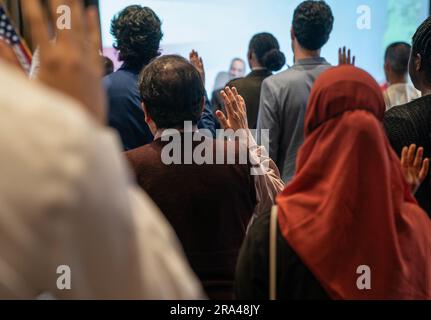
(398, 94)
(66, 198)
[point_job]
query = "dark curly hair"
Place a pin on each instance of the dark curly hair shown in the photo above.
(267, 50)
(137, 32)
(312, 24)
(172, 91)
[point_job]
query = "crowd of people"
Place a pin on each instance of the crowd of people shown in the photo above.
(123, 177)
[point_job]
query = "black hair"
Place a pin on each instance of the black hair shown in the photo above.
(397, 55)
(172, 91)
(312, 24)
(137, 32)
(267, 50)
(422, 46)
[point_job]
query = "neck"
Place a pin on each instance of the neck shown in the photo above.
(301, 54)
(255, 65)
(424, 87)
(426, 91)
(398, 79)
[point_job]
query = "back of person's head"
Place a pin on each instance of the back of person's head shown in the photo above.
(267, 51)
(137, 32)
(312, 24)
(108, 65)
(397, 57)
(422, 46)
(172, 92)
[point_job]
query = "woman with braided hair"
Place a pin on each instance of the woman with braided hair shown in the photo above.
(411, 123)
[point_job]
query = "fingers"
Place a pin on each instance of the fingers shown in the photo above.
(94, 33)
(411, 155)
(239, 100)
(222, 119)
(424, 171)
(227, 103)
(194, 56)
(404, 154)
(233, 98)
(78, 11)
(38, 27)
(345, 57)
(417, 164)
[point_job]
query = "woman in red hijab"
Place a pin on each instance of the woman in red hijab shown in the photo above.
(349, 227)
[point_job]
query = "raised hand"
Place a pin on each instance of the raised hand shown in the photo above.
(198, 64)
(345, 58)
(71, 64)
(235, 109)
(415, 168)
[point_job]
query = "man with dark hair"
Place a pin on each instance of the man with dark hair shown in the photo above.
(209, 204)
(284, 96)
(137, 32)
(411, 123)
(396, 71)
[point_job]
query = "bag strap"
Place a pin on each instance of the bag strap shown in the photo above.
(273, 254)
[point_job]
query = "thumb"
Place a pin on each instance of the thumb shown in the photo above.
(222, 118)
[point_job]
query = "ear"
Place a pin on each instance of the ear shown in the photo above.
(387, 67)
(292, 34)
(250, 55)
(147, 115)
(418, 62)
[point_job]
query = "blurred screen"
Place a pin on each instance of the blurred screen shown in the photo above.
(220, 30)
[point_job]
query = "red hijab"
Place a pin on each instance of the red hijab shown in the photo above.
(349, 205)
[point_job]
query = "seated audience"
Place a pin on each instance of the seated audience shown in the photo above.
(347, 210)
(411, 123)
(66, 194)
(137, 32)
(284, 96)
(264, 56)
(399, 91)
(209, 204)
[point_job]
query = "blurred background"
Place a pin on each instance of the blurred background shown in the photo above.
(220, 30)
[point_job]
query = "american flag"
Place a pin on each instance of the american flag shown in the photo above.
(9, 34)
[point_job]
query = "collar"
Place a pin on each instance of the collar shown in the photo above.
(311, 61)
(170, 132)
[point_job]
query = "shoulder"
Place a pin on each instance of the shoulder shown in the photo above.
(144, 154)
(413, 112)
(279, 81)
(43, 132)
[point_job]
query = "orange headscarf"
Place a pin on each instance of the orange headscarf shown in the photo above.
(349, 205)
